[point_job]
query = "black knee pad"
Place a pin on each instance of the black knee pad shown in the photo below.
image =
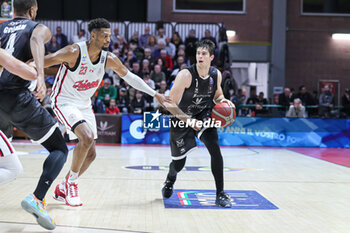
(56, 142)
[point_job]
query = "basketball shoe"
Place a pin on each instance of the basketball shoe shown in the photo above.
(37, 208)
(168, 188)
(60, 192)
(223, 200)
(72, 195)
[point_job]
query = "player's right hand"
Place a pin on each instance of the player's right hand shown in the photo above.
(194, 125)
(40, 89)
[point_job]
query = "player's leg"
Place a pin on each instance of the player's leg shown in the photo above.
(182, 141)
(26, 113)
(10, 166)
(91, 155)
(211, 140)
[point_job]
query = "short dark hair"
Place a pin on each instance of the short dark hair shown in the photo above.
(208, 44)
(98, 24)
(22, 6)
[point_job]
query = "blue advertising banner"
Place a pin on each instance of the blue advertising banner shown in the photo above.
(248, 131)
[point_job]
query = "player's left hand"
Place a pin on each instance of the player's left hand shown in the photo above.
(162, 100)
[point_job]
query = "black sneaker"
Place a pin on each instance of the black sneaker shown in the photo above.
(223, 200)
(167, 189)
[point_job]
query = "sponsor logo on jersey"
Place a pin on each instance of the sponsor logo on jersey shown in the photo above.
(84, 85)
(84, 57)
(102, 59)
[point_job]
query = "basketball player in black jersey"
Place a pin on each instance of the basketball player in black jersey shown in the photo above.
(25, 39)
(194, 93)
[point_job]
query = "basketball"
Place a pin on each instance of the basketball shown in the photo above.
(224, 113)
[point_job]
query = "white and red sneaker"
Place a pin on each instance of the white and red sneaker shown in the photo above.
(59, 194)
(72, 195)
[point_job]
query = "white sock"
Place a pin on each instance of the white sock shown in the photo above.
(73, 176)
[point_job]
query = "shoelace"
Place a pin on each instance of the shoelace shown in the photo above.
(73, 189)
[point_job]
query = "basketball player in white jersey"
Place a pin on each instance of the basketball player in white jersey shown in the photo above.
(10, 166)
(82, 68)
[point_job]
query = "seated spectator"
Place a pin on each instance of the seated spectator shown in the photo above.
(207, 36)
(135, 37)
(326, 101)
(123, 101)
(148, 80)
(345, 100)
(79, 37)
(149, 57)
(190, 44)
(120, 43)
(106, 93)
(145, 66)
(297, 109)
(61, 38)
(114, 37)
(131, 58)
(176, 40)
(152, 43)
(112, 109)
(167, 60)
(161, 35)
(136, 69)
(144, 38)
(162, 90)
(52, 46)
(170, 47)
(285, 98)
(6, 10)
(259, 109)
(178, 62)
(160, 47)
(138, 104)
(139, 52)
(157, 75)
(175, 72)
(253, 98)
(305, 97)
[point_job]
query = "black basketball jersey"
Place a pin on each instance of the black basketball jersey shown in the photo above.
(199, 96)
(15, 38)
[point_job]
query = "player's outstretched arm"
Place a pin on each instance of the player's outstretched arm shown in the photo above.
(17, 67)
(67, 55)
(219, 96)
(41, 35)
(182, 81)
(134, 80)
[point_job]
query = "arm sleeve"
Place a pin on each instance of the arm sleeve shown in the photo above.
(138, 83)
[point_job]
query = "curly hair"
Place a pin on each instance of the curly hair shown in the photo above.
(97, 24)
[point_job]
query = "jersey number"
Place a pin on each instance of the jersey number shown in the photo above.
(83, 70)
(11, 43)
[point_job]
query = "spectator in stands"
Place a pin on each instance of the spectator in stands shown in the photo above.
(238, 100)
(178, 62)
(176, 40)
(139, 53)
(61, 38)
(52, 46)
(326, 101)
(145, 66)
(175, 72)
(285, 99)
(112, 109)
(79, 37)
(305, 96)
(157, 75)
(181, 53)
(123, 101)
(253, 98)
(162, 90)
(5, 10)
(135, 37)
(345, 101)
(148, 80)
(259, 109)
(159, 61)
(114, 37)
(152, 43)
(170, 47)
(160, 47)
(168, 62)
(138, 104)
(207, 36)
(136, 69)
(131, 92)
(131, 58)
(149, 57)
(161, 35)
(120, 43)
(190, 43)
(296, 109)
(144, 38)
(106, 93)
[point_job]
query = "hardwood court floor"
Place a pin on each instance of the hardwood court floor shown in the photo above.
(312, 195)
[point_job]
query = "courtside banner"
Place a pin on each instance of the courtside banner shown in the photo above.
(152, 128)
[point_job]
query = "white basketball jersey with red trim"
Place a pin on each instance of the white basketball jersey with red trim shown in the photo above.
(5, 146)
(79, 86)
